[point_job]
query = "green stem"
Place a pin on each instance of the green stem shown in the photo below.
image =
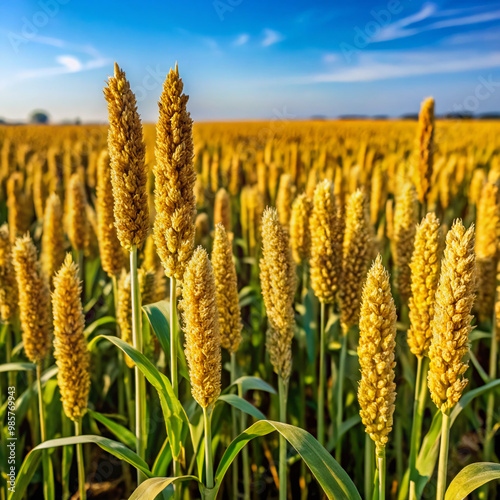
(209, 469)
(283, 396)
(443, 457)
(174, 337)
(322, 376)
(43, 437)
(34, 420)
(121, 388)
(140, 398)
(79, 458)
(244, 452)
(381, 473)
(8, 353)
(66, 457)
(234, 428)
(340, 390)
(369, 466)
(418, 413)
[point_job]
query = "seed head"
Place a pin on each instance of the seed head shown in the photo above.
(284, 199)
(425, 138)
(355, 259)
(127, 153)
(487, 230)
(112, 258)
(278, 282)
(53, 241)
(77, 224)
(71, 352)
(34, 300)
(326, 244)
(300, 232)
(201, 327)
(175, 178)
(377, 341)
(227, 290)
(451, 324)
(424, 281)
(8, 283)
(222, 210)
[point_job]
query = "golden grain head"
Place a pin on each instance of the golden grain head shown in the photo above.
(424, 281)
(53, 240)
(300, 232)
(425, 138)
(77, 223)
(326, 244)
(227, 290)
(278, 283)
(34, 299)
(451, 324)
(405, 223)
(111, 252)
(8, 283)
(222, 210)
(128, 170)
(201, 328)
(355, 259)
(486, 248)
(70, 346)
(175, 177)
(377, 341)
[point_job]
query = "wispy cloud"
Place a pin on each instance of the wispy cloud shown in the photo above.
(414, 23)
(393, 64)
(242, 39)
(271, 37)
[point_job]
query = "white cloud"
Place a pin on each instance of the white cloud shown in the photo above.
(407, 26)
(71, 63)
(388, 65)
(331, 57)
(271, 37)
(242, 39)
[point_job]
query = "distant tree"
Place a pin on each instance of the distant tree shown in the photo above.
(39, 117)
(2, 121)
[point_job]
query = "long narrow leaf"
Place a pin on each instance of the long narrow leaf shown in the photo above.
(151, 488)
(243, 405)
(471, 478)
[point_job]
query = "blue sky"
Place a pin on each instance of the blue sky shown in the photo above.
(251, 58)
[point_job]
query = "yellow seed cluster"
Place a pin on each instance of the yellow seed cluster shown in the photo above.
(70, 346)
(377, 341)
(300, 232)
(284, 199)
(227, 290)
(201, 327)
(8, 283)
(175, 178)
(451, 324)
(424, 281)
(278, 282)
(326, 244)
(127, 153)
(112, 258)
(355, 259)
(34, 299)
(77, 224)
(486, 247)
(53, 241)
(222, 210)
(425, 139)
(405, 223)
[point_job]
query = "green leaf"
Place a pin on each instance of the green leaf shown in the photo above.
(33, 458)
(470, 478)
(243, 405)
(151, 488)
(251, 383)
(429, 450)
(332, 478)
(158, 315)
(19, 367)
(97, 324)
(176, 421)
(163, 459)
(121, 432)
